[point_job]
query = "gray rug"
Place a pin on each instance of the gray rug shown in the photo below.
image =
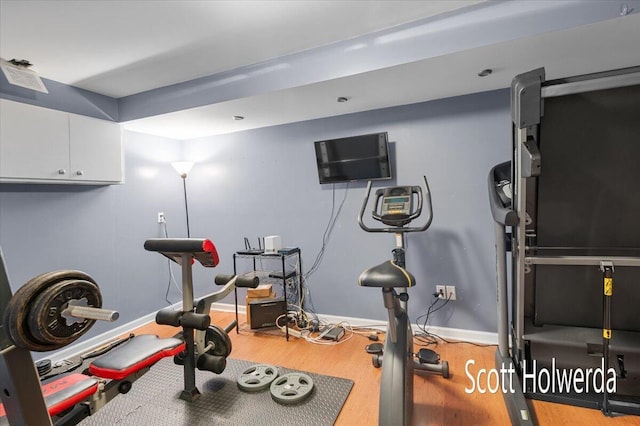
(153, 400)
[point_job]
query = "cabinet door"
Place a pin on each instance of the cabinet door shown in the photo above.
(34, 142)
(96, 149)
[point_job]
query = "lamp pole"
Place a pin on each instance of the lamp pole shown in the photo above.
(186, 205)
(183, 167)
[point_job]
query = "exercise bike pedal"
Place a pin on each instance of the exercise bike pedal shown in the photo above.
(374, 348)
(428, 356)
(376, 360)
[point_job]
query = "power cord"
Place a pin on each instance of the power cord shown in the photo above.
(325, 239)
(427, 338)
(306, 333)
(172, 278)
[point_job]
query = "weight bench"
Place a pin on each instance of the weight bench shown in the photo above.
(74, 396)
(207, 346)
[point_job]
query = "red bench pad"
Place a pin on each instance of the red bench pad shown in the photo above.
(63, 392)
(138, 353)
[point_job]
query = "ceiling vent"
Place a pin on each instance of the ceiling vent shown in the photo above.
(18, 73)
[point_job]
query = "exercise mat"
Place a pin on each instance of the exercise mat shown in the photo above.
(154, 400)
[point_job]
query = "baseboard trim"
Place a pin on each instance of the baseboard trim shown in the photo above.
(473, 336)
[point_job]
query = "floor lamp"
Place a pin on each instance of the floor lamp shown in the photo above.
(183, 167)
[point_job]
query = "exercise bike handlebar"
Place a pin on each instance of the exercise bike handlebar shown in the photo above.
(398, 229)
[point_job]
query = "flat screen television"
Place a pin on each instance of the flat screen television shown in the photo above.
(364, 157)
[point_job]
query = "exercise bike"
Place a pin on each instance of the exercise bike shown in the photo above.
(394, 207)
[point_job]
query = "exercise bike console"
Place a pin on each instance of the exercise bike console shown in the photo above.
(397, 205)
(397, 208)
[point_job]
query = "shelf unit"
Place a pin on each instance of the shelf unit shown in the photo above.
(274, 268)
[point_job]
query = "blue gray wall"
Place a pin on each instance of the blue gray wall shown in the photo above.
(264, 182)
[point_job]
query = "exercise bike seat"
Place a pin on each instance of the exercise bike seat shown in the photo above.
(386, 275)
(139, 352)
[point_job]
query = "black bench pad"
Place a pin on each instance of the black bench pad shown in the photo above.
(138, 353)
(201, 249)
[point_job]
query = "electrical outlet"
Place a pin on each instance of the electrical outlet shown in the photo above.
(450, 292)
(446, 292)
(161, 217)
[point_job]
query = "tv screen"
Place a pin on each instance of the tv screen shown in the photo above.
(364, 157)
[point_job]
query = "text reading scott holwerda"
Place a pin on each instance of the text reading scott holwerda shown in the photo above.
(541, 380)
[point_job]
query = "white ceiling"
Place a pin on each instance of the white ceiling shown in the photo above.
(577, 51)
(119, 48)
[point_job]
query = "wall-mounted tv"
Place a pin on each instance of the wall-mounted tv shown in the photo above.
(364, 157)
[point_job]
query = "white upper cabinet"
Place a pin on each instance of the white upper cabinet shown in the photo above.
(96, 149)
(34, 142)
(40, 145)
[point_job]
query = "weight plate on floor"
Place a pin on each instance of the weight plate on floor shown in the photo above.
(220, 339)
(291, 388)
(19, 308)
(257, 378)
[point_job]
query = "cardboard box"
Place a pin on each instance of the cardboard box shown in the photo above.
(263, 290)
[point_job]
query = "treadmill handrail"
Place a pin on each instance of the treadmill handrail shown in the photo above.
(502, 215)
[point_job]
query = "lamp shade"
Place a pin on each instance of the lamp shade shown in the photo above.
(182, 167)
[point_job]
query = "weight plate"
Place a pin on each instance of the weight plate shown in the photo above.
(46, 322)
(16, 310)
(257, 378)
(43, 366)
(291, 388)
(220, 340)
(15, 319)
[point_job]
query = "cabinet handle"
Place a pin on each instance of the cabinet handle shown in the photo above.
(79, 173)
(62, 172)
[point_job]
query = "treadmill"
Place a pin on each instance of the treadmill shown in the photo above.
(567, 222)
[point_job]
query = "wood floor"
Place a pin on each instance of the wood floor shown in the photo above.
(437, 401)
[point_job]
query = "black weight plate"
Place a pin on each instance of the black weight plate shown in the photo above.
(45, 320)
(220, 339)
(17, 311)
(16, 314)
(43, 366)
